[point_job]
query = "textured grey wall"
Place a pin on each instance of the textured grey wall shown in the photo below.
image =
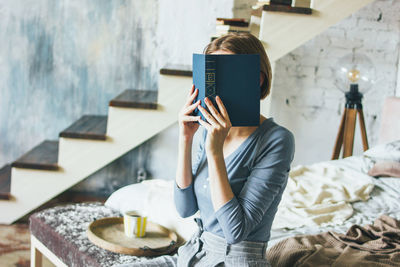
(62, 59)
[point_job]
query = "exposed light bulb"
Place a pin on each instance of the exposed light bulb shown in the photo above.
(353, 75)
(354, 68)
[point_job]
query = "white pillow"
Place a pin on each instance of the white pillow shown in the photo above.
(130, 197)
(156, 199)
(388, 151)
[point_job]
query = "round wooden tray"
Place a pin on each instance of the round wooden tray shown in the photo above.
(108, 233)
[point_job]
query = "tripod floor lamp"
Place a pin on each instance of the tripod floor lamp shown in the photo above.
(354, 69)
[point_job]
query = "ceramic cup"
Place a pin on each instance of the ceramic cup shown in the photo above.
(134, 224)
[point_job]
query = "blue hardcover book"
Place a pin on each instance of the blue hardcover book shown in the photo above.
(235, 78)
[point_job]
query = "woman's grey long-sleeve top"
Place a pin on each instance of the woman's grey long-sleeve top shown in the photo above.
(257, 171)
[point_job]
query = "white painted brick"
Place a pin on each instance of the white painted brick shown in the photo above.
(324, 82)
(299, 70)
(379, 57)
(320, 42)
(383, 40)
(336, 32)
(324, 72)
(310, 61)
(391, 16)
(314, 101)
(371, 11)
(361, 34)
(372, 24)
(349, 22)
(347, 43)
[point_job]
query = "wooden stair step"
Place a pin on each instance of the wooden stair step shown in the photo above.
(42, 157)
(177, 70)
(5, 182)
(283, 32)
(288, 9)
(92, 127)
(136, 99)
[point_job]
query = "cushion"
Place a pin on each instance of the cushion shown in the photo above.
(156, 199)
(390, 123)
(384, 152)
(385, 169)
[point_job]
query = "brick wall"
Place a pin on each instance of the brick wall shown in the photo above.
(304, 97)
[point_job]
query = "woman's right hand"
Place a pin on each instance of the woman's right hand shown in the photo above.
(188, 124)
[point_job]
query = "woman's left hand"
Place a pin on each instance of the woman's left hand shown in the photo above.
(217, 125)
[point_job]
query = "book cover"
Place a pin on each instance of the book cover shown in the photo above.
(235, 79)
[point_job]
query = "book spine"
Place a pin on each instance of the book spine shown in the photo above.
(211, 79)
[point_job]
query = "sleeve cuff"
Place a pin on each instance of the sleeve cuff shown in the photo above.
(187, 188)
(185, 200)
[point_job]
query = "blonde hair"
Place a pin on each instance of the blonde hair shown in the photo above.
(245, 43)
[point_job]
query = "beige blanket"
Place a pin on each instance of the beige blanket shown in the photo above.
(321, 194)
(372, 245)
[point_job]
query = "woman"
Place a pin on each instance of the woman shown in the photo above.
(238, 176)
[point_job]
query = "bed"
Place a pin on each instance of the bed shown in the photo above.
(368, 235)
(362, 199)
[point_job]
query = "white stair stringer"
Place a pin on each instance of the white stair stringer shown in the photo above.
(283, 32)
(79, 158)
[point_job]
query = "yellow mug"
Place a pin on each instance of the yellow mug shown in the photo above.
(134, 224)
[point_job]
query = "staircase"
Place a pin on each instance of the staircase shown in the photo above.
(284, 30)
(90, 143)
(135, 116)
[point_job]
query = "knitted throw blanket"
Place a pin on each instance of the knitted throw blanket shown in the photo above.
(372, 245)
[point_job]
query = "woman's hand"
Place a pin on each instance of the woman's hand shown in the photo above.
(217, 125)
(187, 123)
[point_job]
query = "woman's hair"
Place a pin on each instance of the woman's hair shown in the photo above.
(245, 43)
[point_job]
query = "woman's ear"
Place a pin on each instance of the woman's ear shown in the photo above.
(262, 77)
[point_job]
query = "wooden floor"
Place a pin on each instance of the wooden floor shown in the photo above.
(15, 246)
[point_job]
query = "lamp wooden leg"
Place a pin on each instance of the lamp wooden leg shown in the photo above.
(339, 137)
(363, 129)
(349, 129)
